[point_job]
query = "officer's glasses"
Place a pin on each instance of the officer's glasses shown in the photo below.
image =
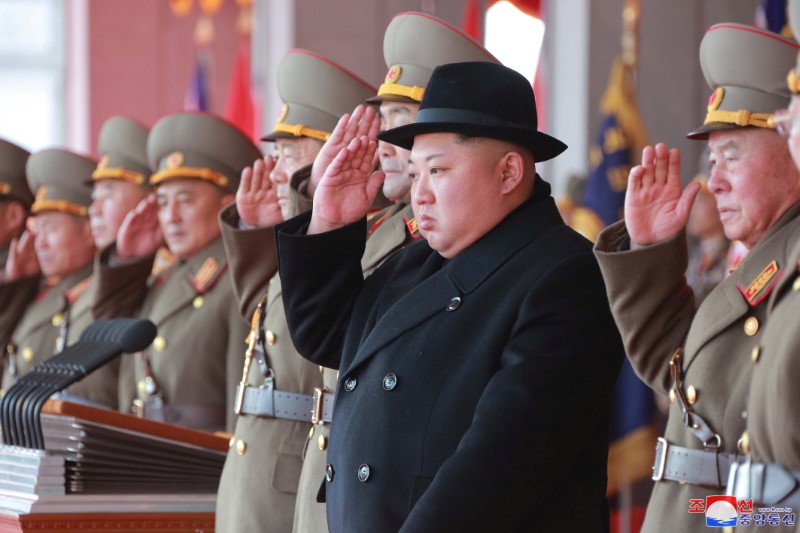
(783, 120)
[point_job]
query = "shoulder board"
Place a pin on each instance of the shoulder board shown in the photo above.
(762, 285)
(413, 227)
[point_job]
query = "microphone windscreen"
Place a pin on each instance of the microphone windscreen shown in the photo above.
(131, 334)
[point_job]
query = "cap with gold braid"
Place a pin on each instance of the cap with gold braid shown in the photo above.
(413, 45)
(123, 152)
(316, 92)
(199, 146)
(793, 79)
(13, 183)
(746, 68)
(59, 178)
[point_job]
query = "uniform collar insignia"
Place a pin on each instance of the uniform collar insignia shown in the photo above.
(413, 227)
(207, 276)
(762, 285)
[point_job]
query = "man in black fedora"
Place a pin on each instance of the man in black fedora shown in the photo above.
(475, 367)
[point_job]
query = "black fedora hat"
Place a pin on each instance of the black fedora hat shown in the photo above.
(483, 100)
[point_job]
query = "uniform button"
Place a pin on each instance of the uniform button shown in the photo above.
(311, 432)
(241, 447)
(27, 354)
(350, 384)
(140, 388)
(751, 326)
(321, 369)
(672, 395)
(197, 303)
(796, 284)
(363, 473)
(744, 443)
(232, 442)
(57, 319)
(322, 442)
(454, 304)
(329, 473)
(159, 344)
(756, 353)
(271, 338)
(389, 381)
(691, 394)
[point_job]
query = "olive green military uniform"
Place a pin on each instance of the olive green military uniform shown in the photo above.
(187, 376)
(260, 479)
(49, 321)
(13, 184)
(712, 347)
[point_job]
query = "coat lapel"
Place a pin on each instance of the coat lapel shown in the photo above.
(177, 291)
(431, 288)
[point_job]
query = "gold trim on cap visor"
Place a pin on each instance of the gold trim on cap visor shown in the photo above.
(394, 89)
(743, 117)
(62, 206)
(120, 174)
(299, 130)
(793, 82)
(205, 174)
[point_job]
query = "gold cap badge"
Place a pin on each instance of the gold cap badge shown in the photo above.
(394, 74)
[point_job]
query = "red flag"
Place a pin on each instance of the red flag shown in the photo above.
(472, 24)
(239, 109)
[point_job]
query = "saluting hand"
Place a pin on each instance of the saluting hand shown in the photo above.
(347, 188)
(655, 207)
(256, 198)
(140, 233)
(22, 260)
(363, 121)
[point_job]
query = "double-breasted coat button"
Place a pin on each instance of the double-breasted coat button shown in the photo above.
(57, 319)
(363, 473)
(350, 384)
(751, 326)
(322, 442)
(197, 303)
(454, 304)
(329, 473)
(756, 353)
(389, 381)
(691, 394)
(271, 338)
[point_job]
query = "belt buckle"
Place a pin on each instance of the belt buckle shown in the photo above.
(658, 474)
(316, 409)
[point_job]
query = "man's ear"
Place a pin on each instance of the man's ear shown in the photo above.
(512, 171)
(15, 216)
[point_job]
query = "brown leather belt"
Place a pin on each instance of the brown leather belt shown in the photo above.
(765, 483)
(696, 467)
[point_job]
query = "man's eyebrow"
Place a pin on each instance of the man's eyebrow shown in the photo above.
(428, 158)
(724, 146)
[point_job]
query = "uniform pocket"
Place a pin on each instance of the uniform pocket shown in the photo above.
(421, 484)
(286, 474)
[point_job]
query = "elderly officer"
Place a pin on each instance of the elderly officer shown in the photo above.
(52, 265)
(453, 354)
(703, 357)
(188, 375)
(259, 482)
(772, 416)
(15, 196)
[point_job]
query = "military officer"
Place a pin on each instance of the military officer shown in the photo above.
(703, 357)
(259, 482)
(772, 418)
(188, 375)
(15, 196)
(51, 266)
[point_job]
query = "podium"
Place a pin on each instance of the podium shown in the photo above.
(106, 471)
